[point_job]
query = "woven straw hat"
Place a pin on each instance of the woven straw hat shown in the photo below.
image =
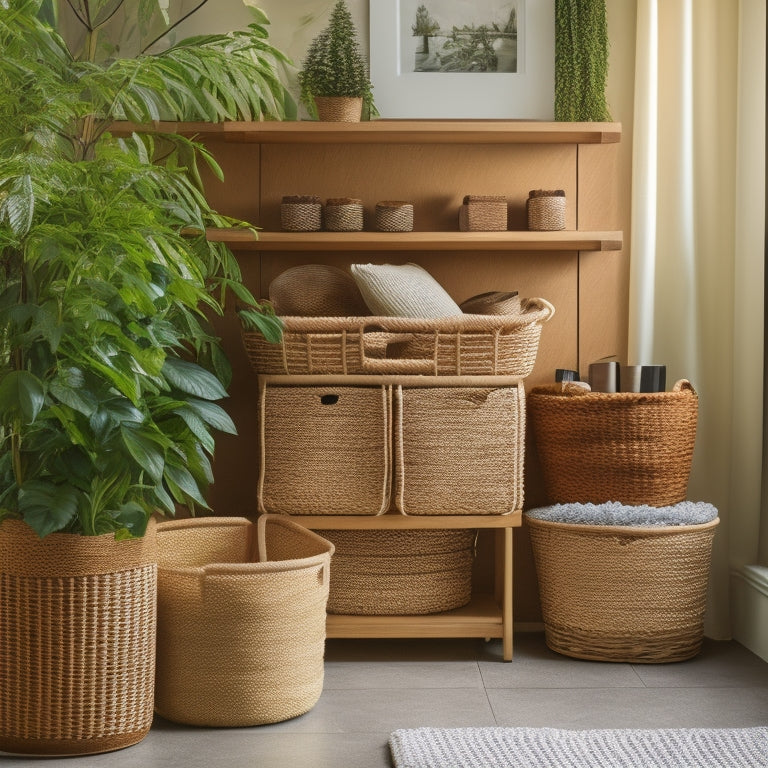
(316, 290)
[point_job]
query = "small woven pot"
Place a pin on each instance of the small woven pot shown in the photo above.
(343, 214)
(339, 109)
(77, 641)
(546, 210)
(301, 213)
(400, 572)
(483, 213)
(394, 216)
(620, 593)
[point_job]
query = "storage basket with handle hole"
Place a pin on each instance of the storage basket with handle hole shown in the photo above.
(636, 448)
(241, 620)
(469, 345)
(400, 572)
(621, 593)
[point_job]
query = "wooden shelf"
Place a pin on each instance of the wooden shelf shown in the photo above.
(400, 522)
(563, 240)
(392, 132)
(481, 617)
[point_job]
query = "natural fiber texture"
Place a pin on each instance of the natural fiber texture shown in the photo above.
(325, 450)
(620, 593)
(301, 213)
(316, 290)
(546, 213)
(339, 109)
(343, 215)
(241, 620)
(556, 748)
(504, 345)
(627, 447)
(77, 641)
(483, 213)
(492, 303)
(459, 451)
(394, 216)
(400, 572)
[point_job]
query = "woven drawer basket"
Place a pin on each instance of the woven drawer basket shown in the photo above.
(77, 641)
(241, 620)
(325, 450)
(627, 447)
(481, 345)
(626, 594)
(400, 572)
(459, 450)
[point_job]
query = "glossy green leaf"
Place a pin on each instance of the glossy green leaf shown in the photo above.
(47, 507)
(21, 393)
(193, 379)
(145, 451)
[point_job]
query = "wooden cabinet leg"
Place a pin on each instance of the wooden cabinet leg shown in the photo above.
(504, 587)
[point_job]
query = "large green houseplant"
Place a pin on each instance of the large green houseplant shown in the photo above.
(334, 78)
(109, 368)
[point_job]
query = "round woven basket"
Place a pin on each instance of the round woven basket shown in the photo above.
(492, 303)
(625, 594)
(546, 210)
(339, 109)
(316, 290)
(77, 641)
(343, 214)
(394, 216)
(241, 620)
(624, 446)
(394, 572)
(301, 213)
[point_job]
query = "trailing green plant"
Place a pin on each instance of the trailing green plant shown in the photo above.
(334, 65)
(581, 60)
(109, 367)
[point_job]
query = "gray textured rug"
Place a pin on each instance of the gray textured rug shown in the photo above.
(554, 748)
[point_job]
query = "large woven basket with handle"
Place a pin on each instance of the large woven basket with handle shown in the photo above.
(241, 620)
(77, 641)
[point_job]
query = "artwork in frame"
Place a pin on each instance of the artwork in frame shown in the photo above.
(463, 59)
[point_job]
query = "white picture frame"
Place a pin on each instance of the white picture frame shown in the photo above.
(400, 91)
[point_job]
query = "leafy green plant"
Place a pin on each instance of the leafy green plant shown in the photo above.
(109, 367)
(581, 60)
(334, 65)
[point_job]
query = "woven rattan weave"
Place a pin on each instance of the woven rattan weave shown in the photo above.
(546, 210)
(394, 216)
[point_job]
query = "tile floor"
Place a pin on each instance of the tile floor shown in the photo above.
(375, 686)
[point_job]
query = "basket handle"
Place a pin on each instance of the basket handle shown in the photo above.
(683, 385)
(403, 365)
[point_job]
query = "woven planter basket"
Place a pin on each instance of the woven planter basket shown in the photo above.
(241, 620)
(627, 447)
(625, 594)
(482, 345)
(301, 213)
(343, 214)
(400, 572)
(339, 109)
(459, 450)
(546, 210)
(394, 216)
(77, 641)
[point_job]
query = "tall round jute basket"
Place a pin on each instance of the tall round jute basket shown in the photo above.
(636, 448)
(623, 593)
(241, 620)
(77, 641)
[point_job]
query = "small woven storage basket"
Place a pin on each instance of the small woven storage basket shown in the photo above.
(546, 210)
(503, 345)
(624, 446)
(241, 620)
(459, 450)
(394, 216)
(483, 213)
(626, 594)
(339, 109)
(343, 214)
(301, 213)
(400, 572)
(77, 641)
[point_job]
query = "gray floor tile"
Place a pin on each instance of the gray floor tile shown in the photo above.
(401, 674)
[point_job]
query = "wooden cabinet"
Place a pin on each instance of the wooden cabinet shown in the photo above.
(433, 164)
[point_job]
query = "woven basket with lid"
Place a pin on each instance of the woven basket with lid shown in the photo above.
(546, 210)
(301, 213)
(394, 216)
(343, 214)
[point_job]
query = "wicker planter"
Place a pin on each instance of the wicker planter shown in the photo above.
(400, 572)
(241, 620)
(339, 109)
(620, 593)
(77, 641)
(627, 447)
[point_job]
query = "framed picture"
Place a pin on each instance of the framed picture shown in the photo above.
(463, 58)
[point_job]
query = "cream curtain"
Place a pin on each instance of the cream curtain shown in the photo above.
(697, 247)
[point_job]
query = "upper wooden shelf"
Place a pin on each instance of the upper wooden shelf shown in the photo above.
(562, 240)
(393, 132)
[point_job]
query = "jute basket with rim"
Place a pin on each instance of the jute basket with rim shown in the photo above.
(620, 593)
(241, 620)
(77, 641)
